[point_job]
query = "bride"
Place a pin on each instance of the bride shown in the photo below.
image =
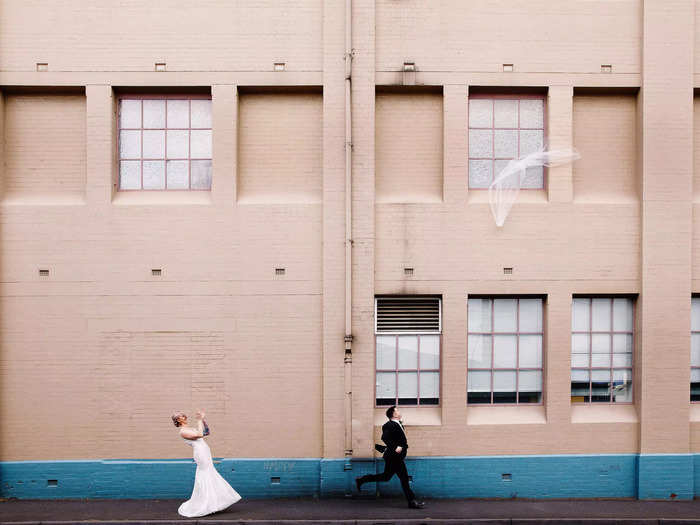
(211, 492)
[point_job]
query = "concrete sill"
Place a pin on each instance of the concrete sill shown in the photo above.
(695, 412)
(524, 196)
(506, 415)
(412, 416)
(157, 198)
(590, 413)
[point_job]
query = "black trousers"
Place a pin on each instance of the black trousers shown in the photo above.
(393, 465)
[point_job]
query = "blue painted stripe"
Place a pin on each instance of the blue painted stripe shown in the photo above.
(647, 476)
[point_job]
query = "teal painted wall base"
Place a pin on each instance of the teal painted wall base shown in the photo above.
(562, 476)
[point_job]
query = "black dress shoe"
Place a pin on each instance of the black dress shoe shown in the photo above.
(413, 504)
(358, 483)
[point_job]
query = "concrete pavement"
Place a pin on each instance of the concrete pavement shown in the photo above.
(359, 511)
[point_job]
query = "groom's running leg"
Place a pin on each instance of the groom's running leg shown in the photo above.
(402, 473)
(389, 471)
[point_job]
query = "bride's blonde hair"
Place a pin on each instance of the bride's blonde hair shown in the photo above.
(176, 416)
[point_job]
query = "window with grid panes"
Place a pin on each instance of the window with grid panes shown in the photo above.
(407, 350)
(165, 143)
(503, 128)
(695, 349)
(504, 349)
(602, 349)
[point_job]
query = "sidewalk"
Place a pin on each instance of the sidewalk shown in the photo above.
(360, 511)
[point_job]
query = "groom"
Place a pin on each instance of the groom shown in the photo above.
(394, 435)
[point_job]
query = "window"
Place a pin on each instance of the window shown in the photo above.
(695, 350)
(602, 345)
(504, 348)
(502, 128)
(165, 143)
(407, 350)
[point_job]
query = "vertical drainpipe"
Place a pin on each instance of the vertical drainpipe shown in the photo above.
(348, 249)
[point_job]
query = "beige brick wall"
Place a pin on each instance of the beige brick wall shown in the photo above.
(605, 136)
(45, 143)
(101, 344)
(280, 147)
(408, 146)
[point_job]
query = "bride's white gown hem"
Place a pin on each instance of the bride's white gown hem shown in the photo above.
(211, 493)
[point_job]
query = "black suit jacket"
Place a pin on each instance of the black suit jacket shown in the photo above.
(393, 436)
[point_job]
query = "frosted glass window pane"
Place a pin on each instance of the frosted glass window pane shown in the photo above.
(408, 385)
(695, 350)
(201, 113)
(580, 315)
(695, 375)
(201, 175)
(531, 113)
(600, 343)
(623, 320)
(479, 315)
(505, 113)
(130, 114)
(130, 175)
(533, 179)
(479, 381)
(530, 315)
(177, 175)
(580, 343)
(430, 351)
(201, 144)
(499, 166)
(504, 351)
(622, 343)
(622, 359)
(480, 173)
(154, 114)
(429, 384)
(600, 376)
(408, 352)
(386, 385)
(129, 144)
(530, 381)
(178, 113)
(601, 315)
(530, 141)
(480, 143)
(153, 175)
(504, 381)
(178, 144)
(530, 351)
(580, 360)
(153, 144)
(505, 312)
(506, 143)
(480, 113)
(695, 314)
(580, 376)
(479, 351)
(386, 352)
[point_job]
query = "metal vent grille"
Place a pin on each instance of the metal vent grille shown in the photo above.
(408, 314)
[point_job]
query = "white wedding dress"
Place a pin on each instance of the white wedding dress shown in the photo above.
(211, 492)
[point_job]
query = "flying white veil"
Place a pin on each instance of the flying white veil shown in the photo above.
(504, 190)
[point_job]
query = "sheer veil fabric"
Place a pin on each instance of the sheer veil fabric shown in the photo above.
(211, 493)
(503, 191)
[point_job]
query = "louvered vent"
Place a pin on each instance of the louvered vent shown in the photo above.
(408, 314)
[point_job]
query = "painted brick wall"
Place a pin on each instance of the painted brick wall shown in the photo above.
(408, 147)
(45, 146)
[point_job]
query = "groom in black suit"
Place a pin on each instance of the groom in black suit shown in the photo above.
(394, 435)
